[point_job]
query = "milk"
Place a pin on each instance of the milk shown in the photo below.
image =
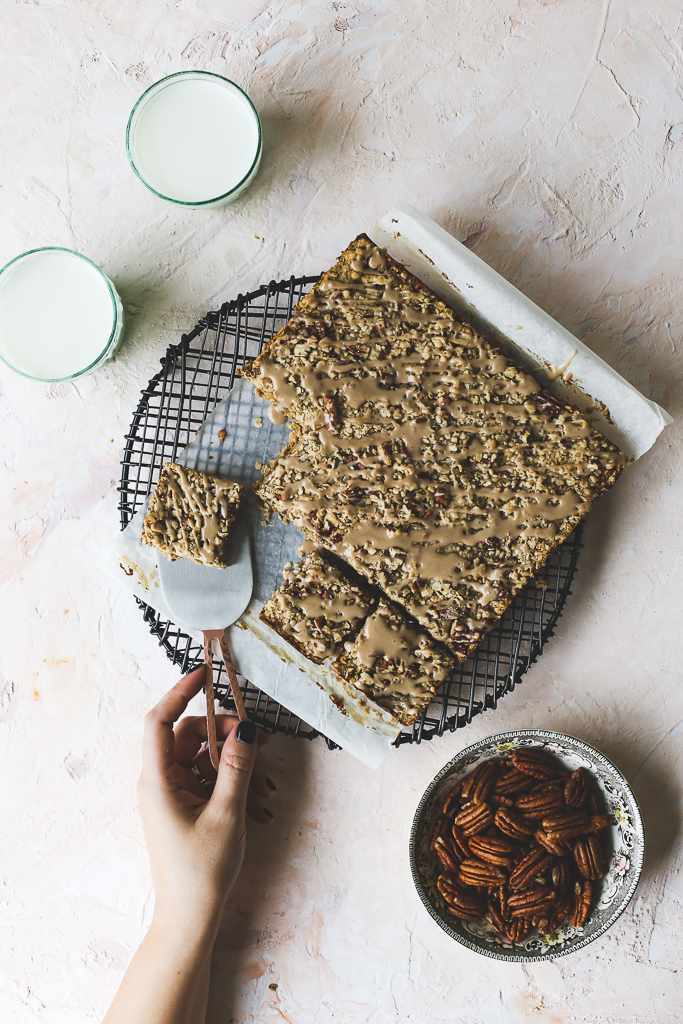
(60, 315)
(195, 138)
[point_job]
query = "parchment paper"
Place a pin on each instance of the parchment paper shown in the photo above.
(499, 311)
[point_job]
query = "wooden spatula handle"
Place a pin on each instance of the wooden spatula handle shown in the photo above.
(210, 707)
(232, 676)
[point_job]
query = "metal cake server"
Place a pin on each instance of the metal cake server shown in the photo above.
(210, 600)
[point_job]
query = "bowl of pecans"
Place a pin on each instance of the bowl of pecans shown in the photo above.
(527, 845)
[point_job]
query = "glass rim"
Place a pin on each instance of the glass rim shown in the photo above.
(141, 101)
(112, 296)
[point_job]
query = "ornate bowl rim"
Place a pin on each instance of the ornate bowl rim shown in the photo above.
(544, 735)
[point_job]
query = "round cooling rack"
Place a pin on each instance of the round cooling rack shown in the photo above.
(195, 376)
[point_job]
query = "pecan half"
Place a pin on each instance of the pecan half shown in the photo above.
(518, 929)
(514, 825)
(474, 819)
(530, 902)
(560, 877)
(558, 915)
(513, 781)
(447, 886)
(597, 822)
(577, 788)
(529, 868)
(533, 761)
(452, 803)
(480, 783)
(565, 826)
(581, 904)
(555, 846)
(441, 827)
(495, 917)
(466, 905)
(590, 860)
(480, 873)
(495, 851)
(540, 805)
(444, 850)
(460, 843)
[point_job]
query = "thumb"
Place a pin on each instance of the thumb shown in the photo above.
(234, 770)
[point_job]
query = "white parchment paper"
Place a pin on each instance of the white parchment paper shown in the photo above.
(499, 311)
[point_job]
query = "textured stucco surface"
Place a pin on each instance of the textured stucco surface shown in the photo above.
(549, 134)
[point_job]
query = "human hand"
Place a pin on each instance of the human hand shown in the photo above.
(196, 837)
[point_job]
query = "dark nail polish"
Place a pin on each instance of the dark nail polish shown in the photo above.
(271, 785)
(246, 732)
(269, 813)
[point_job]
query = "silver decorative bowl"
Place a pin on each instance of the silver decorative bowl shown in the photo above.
(625, 839)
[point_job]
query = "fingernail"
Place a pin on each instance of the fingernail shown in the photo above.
(271, 785)
(269, 813)
(246, 732)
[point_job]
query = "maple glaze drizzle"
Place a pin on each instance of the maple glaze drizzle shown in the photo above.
(407, 414)
(205, 524)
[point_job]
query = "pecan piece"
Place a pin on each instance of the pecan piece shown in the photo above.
(597, 822)
(529, 868)
(479, 784)
(581, 904)
(513, 781)
(474, 819)
(460, 843)
(534, 761)
(565, 826)
(443, 849)
(495, 851)
(514, 825)
(530, 902)
(590, 860)
(330, 413)
(540, 805)
(576, 788)
(480, 873)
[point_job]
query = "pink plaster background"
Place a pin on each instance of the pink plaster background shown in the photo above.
(549, 134)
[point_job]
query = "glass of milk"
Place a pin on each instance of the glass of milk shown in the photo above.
(194, 139)
(60, 315)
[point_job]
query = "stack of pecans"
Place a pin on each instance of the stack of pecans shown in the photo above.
(518, 843)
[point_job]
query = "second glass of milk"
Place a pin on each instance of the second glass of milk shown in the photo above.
(194, 139)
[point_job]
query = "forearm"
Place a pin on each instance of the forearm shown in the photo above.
(167, 981)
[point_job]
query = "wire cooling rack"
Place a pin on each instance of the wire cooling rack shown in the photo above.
(195, 375)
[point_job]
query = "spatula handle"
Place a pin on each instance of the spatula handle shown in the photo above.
(232, 676)
(210, 707)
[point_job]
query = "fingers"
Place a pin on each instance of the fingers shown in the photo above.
(257, 812)
(190, 733)
(261, 784)
(158, 743)
(234, 771)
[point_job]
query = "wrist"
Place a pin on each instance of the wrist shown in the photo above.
(189, 921)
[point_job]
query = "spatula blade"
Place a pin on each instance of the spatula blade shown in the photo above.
(203, 597)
